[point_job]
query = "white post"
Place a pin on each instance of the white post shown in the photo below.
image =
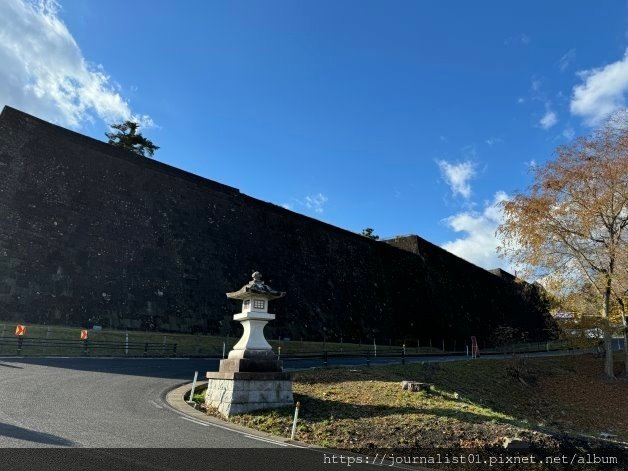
(224, 348)
(278, 354)
(191, 399)
(126, 344)
(467, 347)
(375, 348)
(294, 423)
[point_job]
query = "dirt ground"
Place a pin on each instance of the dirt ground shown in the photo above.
(545, 404)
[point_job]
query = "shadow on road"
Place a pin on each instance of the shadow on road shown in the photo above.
(180, 369)
(13, 431)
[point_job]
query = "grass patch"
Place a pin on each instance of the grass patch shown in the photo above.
(160, 344)
(473, 404)
(187, 344)
(199, 395)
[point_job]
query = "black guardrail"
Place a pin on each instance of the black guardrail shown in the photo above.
(33, 345)
(402, 354)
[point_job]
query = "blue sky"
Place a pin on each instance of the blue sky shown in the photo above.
(405, 116)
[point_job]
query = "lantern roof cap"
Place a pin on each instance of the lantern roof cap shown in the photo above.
(256, 287)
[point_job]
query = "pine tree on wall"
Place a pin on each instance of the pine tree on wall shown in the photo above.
(127, 137)
(368, 232)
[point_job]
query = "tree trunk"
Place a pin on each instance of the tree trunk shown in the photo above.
(625, 350)
(608, 339)
(623, 318)
(608, 363)
(624, 321)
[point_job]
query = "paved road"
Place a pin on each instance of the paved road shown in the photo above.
(115, 403)
(96, 408)
(107, 403)
(297, 363)
(118, 404)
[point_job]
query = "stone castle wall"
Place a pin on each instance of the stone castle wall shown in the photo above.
(92, 233)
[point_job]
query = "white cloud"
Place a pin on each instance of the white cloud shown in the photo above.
(536, 85)
(518, 39)
(478, 245)
(568, 133)
(457, 176)
(316, 202)
(602, 92)
(43, 72)
(491, 141)
(548, 120)
(521, 100)
(469, 152)
(567, 59)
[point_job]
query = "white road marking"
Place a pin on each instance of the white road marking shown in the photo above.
(195, 421)
(240, 433)
(156, 405)
(267, 440)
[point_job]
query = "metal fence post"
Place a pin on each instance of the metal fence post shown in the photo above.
(403, 354)
(19, 345)
(325, 358)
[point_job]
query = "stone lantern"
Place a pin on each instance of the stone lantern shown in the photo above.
(252, 376)
(254, 316)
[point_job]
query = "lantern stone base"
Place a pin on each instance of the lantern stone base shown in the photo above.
(234, 393)
(262, 354)
(247, 365)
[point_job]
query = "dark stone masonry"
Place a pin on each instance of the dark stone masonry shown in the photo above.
(90, 233)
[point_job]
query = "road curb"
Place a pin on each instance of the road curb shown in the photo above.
(175, 399)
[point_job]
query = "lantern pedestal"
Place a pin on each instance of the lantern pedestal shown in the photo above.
(252, 377)
(239, 392)
(253, 344)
